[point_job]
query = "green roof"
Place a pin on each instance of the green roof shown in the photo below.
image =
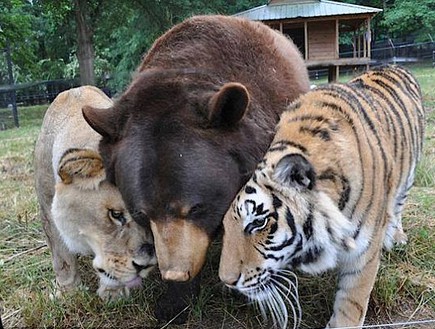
(319, 8)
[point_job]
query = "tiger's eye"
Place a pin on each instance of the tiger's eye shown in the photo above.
(259, 222)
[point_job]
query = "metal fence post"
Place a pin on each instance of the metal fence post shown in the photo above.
(13, 96)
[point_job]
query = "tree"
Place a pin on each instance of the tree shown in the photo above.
(16, 30)
(411, 17)
(85, 48)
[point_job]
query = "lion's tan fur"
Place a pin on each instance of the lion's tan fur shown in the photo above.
(75, 199)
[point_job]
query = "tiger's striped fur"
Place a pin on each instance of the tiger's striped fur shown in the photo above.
(329, 192)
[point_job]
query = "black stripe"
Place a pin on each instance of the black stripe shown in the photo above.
(397, 99)
(319, 118)
(361, 108)
(335, 107)
(290, 221)
(328, 174)
(294, 261)
(282, 145)
(356, 305)
(407, 80)
(250, 189)
(268, 255)
(281, 246)
(273, 229)
(317, 132)
(347, 95)
(345, 193)
(387, 75)
(312, 255)
(387, 114)
(308, 224)
(276, 201)
(343, 312)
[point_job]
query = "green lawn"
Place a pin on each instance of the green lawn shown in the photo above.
(404, 291)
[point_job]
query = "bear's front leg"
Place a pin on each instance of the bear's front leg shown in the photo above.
(173, 305)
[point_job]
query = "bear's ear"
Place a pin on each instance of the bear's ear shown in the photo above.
(295, 171)
(228, 105)
(82, 167)
(102, 120)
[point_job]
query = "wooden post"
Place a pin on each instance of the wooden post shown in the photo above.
(369, 39)
(337, 40)
(364, 44)
(280, 27)
(354, 44)
(332, 73)
(306, 39)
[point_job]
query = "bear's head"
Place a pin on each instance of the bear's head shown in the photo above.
(179, 146)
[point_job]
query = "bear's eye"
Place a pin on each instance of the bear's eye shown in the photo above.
(196, 210)
(117, 216)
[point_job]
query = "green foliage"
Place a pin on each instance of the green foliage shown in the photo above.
(43, 39)
(409, 16)
(124, 45)
(16, 19)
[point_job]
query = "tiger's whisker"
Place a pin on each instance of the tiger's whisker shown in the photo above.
(294, 295)
(284, 292)
(280, 308)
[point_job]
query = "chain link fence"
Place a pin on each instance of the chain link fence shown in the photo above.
(387, 52)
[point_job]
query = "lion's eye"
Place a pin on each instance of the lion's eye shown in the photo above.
(117, 216)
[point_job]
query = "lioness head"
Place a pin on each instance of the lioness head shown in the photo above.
(92, 219)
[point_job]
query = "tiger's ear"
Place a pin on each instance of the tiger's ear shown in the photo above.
(102, 120)
(82, 167)
(294, 170)
(228, 105)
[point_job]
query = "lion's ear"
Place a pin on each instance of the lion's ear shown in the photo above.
(82, 167)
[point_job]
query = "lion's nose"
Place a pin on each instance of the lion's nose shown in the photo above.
(140, 267)
(148, 248)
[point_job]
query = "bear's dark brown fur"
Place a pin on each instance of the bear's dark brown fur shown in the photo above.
(191, 127)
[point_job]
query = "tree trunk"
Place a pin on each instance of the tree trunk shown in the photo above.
(85, 50)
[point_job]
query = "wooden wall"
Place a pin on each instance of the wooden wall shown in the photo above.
(322, 40)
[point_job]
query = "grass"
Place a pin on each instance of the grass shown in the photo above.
(404, 290)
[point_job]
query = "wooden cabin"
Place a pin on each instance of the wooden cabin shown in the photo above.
(318, 27)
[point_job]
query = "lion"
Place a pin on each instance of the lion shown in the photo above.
(81, 212)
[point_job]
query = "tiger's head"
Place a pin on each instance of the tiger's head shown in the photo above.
(280, 221)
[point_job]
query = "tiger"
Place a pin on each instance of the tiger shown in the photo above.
(328, 194)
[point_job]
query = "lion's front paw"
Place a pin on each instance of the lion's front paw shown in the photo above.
(61, 288)
(110, 294)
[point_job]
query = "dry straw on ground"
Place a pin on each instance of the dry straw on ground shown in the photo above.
(404, 291)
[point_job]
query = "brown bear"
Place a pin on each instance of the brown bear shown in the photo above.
(190, 129)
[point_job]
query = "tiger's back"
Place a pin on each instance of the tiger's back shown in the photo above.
(331, 189)
(362, 135)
